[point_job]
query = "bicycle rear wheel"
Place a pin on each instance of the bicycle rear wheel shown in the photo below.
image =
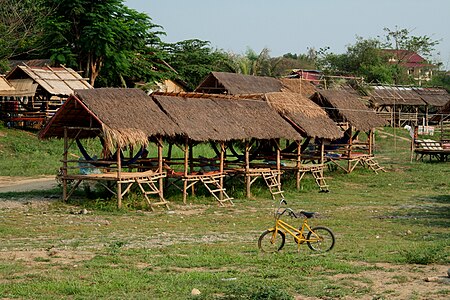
(271, 241)
(320, 239)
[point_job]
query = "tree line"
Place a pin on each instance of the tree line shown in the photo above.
(115, 46)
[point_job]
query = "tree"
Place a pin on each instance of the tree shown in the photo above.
(20, 29)
(368, 59)
(194, 59)
(401, 39)
(91, 34)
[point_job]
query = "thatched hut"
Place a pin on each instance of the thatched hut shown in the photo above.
(313, 123)
(443, 119)
(223, 119)
(122, 118)
(239, 84)
(38, 93)
(234, 84)
(298, 85)
(351, 115)
(398, 105)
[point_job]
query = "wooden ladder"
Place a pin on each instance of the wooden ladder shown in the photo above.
(373, 164)
(320, 179)
(271, 179)
(148, 187)
(219, 193)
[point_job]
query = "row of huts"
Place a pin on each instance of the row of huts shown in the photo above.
(255, 126)
(30, 94)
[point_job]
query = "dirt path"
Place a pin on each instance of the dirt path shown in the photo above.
(25, 184)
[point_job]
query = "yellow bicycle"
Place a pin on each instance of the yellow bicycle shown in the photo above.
(318, 238)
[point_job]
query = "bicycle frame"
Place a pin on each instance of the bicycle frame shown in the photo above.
(297, 234)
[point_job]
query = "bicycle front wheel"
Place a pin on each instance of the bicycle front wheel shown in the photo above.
(271, 241)
(320, 239)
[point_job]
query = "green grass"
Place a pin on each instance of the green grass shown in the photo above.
(383, 222)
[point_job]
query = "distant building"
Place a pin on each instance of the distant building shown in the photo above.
(314, 76)
(415, 65)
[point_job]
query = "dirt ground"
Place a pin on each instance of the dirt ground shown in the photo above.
(388, 281)
(25, 184)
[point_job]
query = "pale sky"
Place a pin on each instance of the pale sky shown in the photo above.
(296, 25)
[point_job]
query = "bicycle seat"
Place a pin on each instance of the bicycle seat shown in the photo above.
(308, 214)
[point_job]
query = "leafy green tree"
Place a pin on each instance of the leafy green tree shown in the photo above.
(194, 59)
(20, 29)
(401, 39)
(93, 34)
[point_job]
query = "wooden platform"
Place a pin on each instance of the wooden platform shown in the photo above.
(149, 179)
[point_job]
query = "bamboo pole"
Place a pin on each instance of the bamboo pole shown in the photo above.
(221, 168)
(186, 166)
(247, 170)
(349, 154)
(160, 168)
(64, 169)
(277, 143)
(299, 163)
(191, 166)
(119, 175)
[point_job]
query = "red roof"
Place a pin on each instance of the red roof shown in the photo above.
(407, 58)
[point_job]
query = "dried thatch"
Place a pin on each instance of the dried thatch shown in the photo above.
(390, 96)
(222, 119)
(298, 85)
(444, 113)
(56, 81)
(433, 96)
(233, 84)
(124, 116)
(343, 106)
(306, 115)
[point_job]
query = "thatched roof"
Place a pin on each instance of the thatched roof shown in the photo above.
(223, 119)
(233, 84)
(298, 85)
(344, 106)
(433, 96)
(308, 117)
(56, 81)
(123, 116)
(444, 113)
(390, 96)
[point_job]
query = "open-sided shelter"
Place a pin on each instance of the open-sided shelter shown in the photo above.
(214, 118)
(442, 118)
(39, 92)
(121, 118)
(398, 105)
(313, 123)
(353, 117)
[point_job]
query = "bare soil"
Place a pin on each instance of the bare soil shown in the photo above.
(389, 281)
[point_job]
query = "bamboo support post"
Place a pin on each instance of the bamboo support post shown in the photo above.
(247, 170)
(277, 143)
(119, 175)
(160, 168)
(64, 169)
(186, 166)
(221, 168)
(299, 163)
